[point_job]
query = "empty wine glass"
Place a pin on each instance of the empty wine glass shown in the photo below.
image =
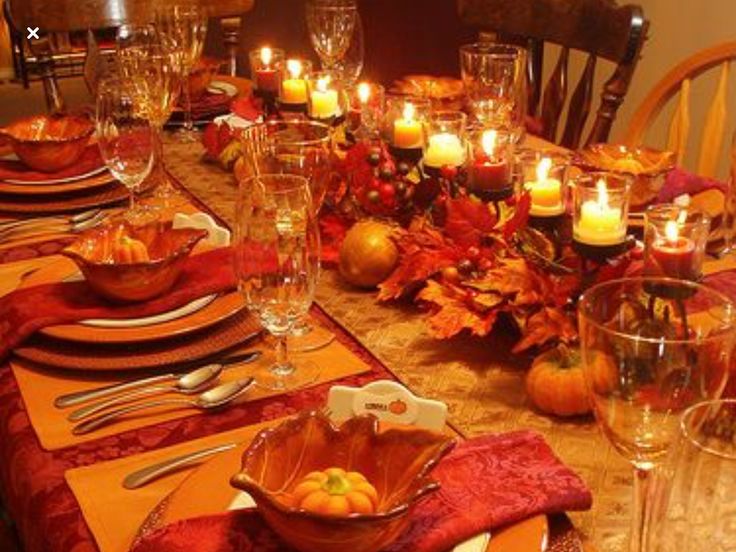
(331, 24)
(694, 505)
(350, 66)
(651, 348)
(126, 141)
(185, 26)
(277, 264)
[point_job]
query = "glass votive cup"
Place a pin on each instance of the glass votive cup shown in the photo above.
(491, 164)
(445, 144)
(366, 104)
(325, 96)
(403, 125)
(495, 82)
(675, 239)
(293, 86)
(265, 70)
(600, 209)
(543, 174)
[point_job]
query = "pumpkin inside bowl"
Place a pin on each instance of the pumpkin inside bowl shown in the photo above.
(647, 167)
(395, 463)
(128, 263)
(49, 143)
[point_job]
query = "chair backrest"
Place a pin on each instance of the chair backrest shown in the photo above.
(599, 28)
(77, 15)
(679, 80)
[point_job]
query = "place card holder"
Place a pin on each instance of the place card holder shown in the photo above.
(218, 235)
(388, 401)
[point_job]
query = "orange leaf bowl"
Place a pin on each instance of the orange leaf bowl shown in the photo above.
(397, 461)
(49, 143)
(167, 248)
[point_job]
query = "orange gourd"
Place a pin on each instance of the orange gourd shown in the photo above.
(335, 492)
(555, 383)
(126, 250)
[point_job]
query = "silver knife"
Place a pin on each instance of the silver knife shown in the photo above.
(79, 397)
(142, 477)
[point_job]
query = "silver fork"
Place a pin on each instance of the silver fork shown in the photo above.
(79, 217)
(42, 228)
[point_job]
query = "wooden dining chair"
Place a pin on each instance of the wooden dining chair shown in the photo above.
(600, 28)
(677, 83)
(56, 16)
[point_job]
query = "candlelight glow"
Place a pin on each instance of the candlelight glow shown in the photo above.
(671, 231)
(323, 83)
(266, 55)
(602, 193)
(364, 92)
(488, 142)
(543, 168)
(409, 111)
(294, 67)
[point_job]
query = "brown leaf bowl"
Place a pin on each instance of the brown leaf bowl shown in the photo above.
(396, 461)
(646, 165)
(201, 76)
(168, 248)
(49, 143)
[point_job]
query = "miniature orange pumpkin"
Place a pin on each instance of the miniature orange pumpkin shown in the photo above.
(335, 492)
(555, 383)
(126, 250)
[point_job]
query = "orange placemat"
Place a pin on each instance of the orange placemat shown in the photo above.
(113, 513)
(40, 386)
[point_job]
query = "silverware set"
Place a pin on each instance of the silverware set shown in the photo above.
(33, 227)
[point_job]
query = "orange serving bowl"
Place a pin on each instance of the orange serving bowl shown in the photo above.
(167, 249)
(646, 166)
(397, 461)
(49, 143)
(201, 76)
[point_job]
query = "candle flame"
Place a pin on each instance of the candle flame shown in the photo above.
(602, 193)
(323, 83)
(682, 217)
(294, 67)
(364, 92)
(488, 142)
(266, 55)
(409, 111)
(543, 168)
(671, 231)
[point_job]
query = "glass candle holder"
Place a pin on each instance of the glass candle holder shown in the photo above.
(445, 145)
(674, 241)
(491, 163)
(403, 125)
(325, 96)
(293, 86)
(265, 70)
(600, 209)
(366, 104)
(495, 81)
(543, 174)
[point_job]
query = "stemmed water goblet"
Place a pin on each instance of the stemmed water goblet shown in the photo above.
(277, 264)
(126, 140)
(350, 66)
(651, 348)
(331, 24)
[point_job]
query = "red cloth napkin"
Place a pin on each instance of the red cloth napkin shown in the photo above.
(210, 105)
(16, 170)
(679, 181)
(487, 482)
(24, 311)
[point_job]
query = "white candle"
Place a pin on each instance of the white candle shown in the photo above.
(324, 101)
(599, 223)
(444, 149)
(545, 192)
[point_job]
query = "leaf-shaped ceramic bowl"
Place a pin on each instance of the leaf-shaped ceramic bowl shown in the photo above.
(167, 248)
(396, 461)
(49, 143)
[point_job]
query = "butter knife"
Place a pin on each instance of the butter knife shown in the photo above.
(143, 476)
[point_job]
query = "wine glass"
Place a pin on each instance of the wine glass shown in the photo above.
(185, 27)
(350, 66)
(126, 141)
(694, 506)
(277, 264)
(148, 61)
(303, 148)
(331, 24)
(651, 348)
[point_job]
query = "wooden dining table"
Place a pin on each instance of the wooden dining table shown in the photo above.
(479, 379)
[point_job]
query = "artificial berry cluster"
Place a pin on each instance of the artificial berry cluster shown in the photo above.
(473, 264)
(386, 188)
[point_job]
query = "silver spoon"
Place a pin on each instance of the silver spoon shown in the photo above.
(214, 398)
(191, 383)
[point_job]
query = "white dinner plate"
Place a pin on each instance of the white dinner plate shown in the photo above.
(184, 310)
(50, 181)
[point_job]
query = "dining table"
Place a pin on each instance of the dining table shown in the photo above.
(479, 379)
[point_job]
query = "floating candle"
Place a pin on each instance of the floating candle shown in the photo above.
(545, 192)
(294, 89)
(408, 132)
(675, 254)
(598, 223)
(489, 171)
(444, 149)
(324, 100)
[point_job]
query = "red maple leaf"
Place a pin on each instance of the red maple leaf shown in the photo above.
(467, 221)
(520, 217)
(545, 325)
(451, 313)
(249, 107)
(332, 231)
